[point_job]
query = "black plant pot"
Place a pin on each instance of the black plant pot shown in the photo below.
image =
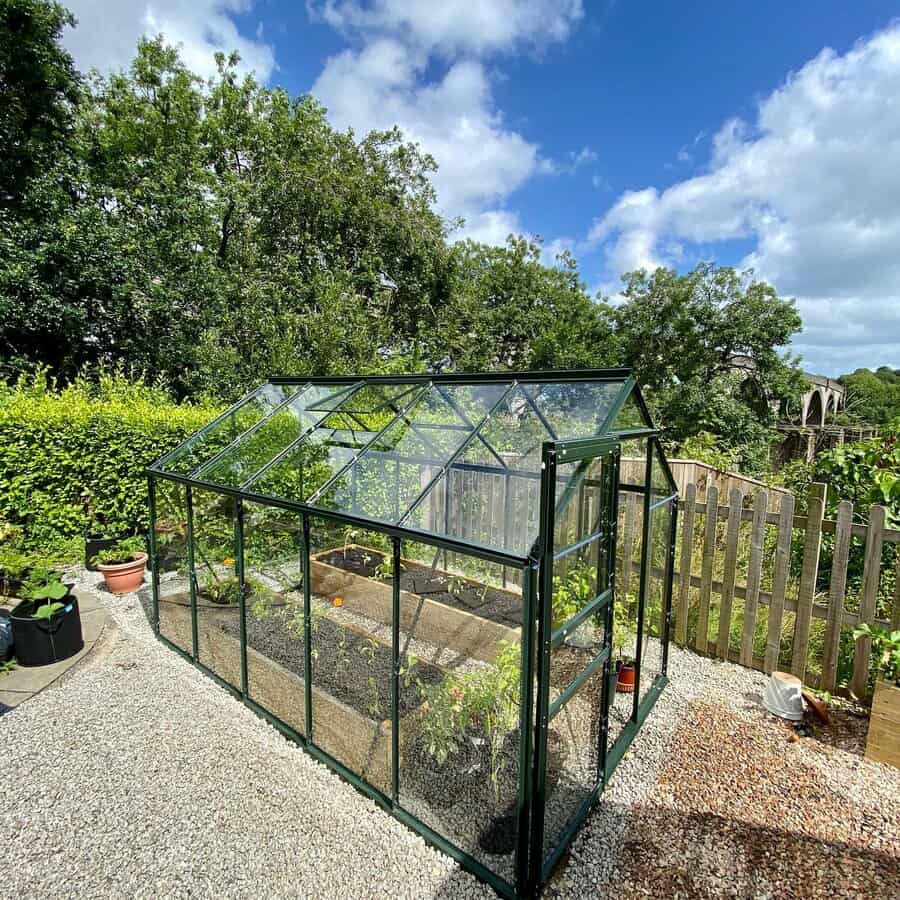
(94, 544)
(39, 642)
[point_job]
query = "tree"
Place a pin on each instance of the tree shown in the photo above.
(39, 88)
(507, 310)
(873, 397)
(705, 346)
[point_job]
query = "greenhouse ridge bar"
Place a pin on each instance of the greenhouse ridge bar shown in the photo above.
(414, 577)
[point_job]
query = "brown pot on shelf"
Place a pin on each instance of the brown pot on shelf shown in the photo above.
(124, 577)
(625, 678)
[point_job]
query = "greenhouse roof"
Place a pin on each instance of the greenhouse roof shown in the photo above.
(379, 449)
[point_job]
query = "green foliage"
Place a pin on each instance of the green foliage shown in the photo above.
(705, 345)
(705, 447)
(39, 88)
(50, 591)
(48, 610)
(572, 593)
(72, 459)
(485, 699)
(123, 551)
(873, 397)
(885, 651)
(866, 473)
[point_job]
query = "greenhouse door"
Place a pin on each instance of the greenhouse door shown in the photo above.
(575, 677)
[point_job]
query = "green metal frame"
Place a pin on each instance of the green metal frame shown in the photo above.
(531, 866)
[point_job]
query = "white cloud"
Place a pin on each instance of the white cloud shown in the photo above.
(420, 67)
(814, 184)
(108, 32)
(457, 26)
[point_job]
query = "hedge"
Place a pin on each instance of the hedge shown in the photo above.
(73, 459)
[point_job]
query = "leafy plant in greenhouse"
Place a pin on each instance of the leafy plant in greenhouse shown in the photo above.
(385, 569)
(572, 593)
(351, 535)
(485, 701)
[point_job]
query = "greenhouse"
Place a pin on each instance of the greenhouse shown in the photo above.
(417, 578)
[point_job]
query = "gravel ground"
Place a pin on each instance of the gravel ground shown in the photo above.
(137, 775)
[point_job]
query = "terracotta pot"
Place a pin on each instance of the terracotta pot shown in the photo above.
(124, 578)
(625, 679)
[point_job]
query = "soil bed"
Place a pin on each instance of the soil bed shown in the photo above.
(344, 661)
(495, 604)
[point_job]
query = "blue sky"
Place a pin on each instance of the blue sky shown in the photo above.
(633, 133)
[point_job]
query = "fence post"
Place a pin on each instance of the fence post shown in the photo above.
(735, 505)
(842, 530)
(812, 547)
(754, 574)
(628, 542)
(709, 551)
(687, 547)
(779, 582)
(871, 573)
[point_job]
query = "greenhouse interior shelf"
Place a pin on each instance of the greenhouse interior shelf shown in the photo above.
(414, 577)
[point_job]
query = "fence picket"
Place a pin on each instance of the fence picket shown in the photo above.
(687, 548)
(754, 576)
(812, 548)
(868, 597)
(779, 583)
(709, 551)
(735, 504)
(842, 531)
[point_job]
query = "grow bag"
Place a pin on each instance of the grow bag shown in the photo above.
(39, 642)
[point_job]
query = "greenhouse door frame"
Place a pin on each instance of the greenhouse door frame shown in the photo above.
(543, 638)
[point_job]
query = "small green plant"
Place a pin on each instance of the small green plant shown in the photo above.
(572, 593)
(456, 585)
(385, 569)
(123, 551)
(623, 635)
(7, 666)
(485, 701)
(885, 651)
(350, 536)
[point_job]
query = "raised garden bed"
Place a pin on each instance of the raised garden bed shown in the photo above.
(471, 620)
(883, 742)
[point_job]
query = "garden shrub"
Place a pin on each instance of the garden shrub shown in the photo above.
(72, 459)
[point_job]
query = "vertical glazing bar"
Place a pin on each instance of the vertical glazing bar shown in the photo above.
(242, 588)
(667, 587)
(646, 560)
(545, 595)
(526, 727)
(610, 499)
(307, 627)
(192, 574)
(395, 673)
(154, 562)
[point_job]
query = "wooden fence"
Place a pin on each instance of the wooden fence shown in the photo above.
(753, 592)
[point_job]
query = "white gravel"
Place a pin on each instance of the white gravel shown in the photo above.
(138, 776)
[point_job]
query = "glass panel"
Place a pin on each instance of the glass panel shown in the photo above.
(654, 605)
(245, 415)
(577, 409)
(368, 399)
(253, 451)
(661, 485)
(351, 648)
(633, 463)
(625, 610)
(579, 506)
(276, 649)
(460, 699)
(370, 409)
(630, 416)
(394, 470)
(172, 556)
(218, 615)
(573, 742)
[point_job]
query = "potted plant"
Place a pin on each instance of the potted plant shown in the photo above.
(46, 625)
(123, 565)
(883, 741)
(624, 668)
(571, 595)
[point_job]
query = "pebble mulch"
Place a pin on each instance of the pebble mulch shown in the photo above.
(139, 776)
